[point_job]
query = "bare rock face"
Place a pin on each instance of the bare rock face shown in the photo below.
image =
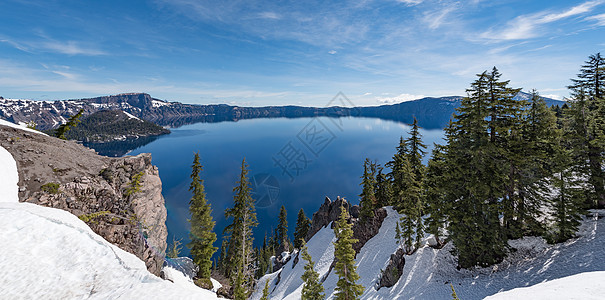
(328, 212)
(363, 231)
(119, 198)
(394, 269)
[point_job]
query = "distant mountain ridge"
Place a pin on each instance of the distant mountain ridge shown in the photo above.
(431, 112)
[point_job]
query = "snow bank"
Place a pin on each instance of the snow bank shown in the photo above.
(589, 285)
(49, 253)
(9, 178)
(131, 116)
(11, 124)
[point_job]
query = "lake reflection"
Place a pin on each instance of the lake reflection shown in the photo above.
(292, 162)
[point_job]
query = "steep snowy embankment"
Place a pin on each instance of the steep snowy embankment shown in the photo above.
(49, 253)
(428, 272)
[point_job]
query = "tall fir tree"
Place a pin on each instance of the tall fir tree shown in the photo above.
(346, 287)
(302, 228)
(240, 268)
(417, 150)
(368, 200)
(312, 288)
(282, 229)
(265, 295)
(478, 170)
(202, 225)
(434, 192)
(588, 101)
(383, 188)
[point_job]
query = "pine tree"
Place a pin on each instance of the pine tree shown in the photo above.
(223, 259)
(202, 225)
(368, 198)
(240, 266)
(478, 169)
(73, 121)
(567, 205)
(454, 296)
(303, 224)
(312, 288)
(383, 188)
(346, 287)
(265, 291)
(588, 99)
(416, 203)
(282, 229)
(434, 185)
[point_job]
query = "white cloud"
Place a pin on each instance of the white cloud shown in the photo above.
(553, 96)
(410, 2)
(528, 26)
(332, 52)
(599, 18)
(269, 15)
(398, 99)
(70, 48)
(438, 18)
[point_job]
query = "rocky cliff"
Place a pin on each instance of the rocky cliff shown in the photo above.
(119, 198)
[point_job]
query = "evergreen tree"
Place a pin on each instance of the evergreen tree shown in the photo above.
(223, 259)
(303, 224)
(478, 169)
(282, 229)
(588, 101)
(240, 267)
(454, 296)
(202, 225)
(312, 288)
(383, 188)
(265, 291)
(368, 200)
(73, 121)
(567, 205)
(346, 287)
(434, 184)
(416, 203)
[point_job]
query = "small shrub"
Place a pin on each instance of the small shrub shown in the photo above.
(51, 188)
(107, 174)
(204, 283)
(89, 218)
(135, 184)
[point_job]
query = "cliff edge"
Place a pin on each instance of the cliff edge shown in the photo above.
(119, 198)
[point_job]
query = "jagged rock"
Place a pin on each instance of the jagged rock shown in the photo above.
(355, 210)
(394, 269)
(328, 212)
(133, 221)
(223, 292)
(364, 231)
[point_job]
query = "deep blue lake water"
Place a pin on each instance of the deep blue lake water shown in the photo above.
(292, 162)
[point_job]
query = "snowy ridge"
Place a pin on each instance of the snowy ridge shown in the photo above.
(13, 125)
(428, 272)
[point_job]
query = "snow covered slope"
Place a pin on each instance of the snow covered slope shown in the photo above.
(49, 253)
(428, 272)
(589, 285)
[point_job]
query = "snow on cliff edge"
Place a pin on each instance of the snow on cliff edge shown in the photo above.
(49, 253)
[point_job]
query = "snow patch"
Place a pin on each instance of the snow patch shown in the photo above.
(132, 117)
(13, 125)
(49, 253)
(589, 285)
(9, 177)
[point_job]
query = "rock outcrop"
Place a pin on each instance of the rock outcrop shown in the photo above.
(363, 231)
(119, 198)
(392, 273)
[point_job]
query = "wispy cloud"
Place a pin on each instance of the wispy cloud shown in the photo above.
(438, 18)
(70, 48)
(599, 18)
(411, 2)
(530, 26)
(269, 15)
(54, 46)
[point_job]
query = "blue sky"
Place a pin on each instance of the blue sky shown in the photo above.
(290, 52)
